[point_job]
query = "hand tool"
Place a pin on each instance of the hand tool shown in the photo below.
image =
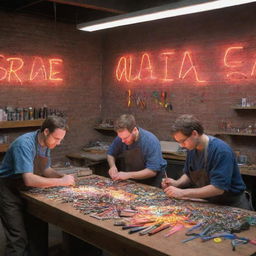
(120, 223)
(238, 241)
(197, 226)
(136, 229)
(158, 229)
(131, 226)
(224, 235)
(199, 235)
(174, 229)
(147, 230)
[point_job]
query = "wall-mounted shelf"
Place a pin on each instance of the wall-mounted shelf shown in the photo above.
(3, 147)
(243, 108)
(248, 170)
(21, 124)
(100, 128)
(231, 133)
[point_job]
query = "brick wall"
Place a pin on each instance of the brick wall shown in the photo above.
(90, 90)
(80, 93)
(207, 36)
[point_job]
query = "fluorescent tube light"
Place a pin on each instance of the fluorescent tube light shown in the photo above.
(161, 12)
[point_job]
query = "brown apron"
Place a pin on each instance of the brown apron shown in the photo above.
(40, 164)
(200, 178)
(132, 160)
(20, 226)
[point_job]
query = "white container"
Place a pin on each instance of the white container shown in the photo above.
(243, 102)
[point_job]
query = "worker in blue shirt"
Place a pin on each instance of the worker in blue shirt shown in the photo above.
(210, 172)
(138, 151)
(27, 164)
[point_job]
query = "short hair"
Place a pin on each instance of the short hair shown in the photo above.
(125, 121)
(187, 124)
(54, 122)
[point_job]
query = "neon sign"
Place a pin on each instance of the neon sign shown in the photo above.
(30, 70)
(173, 66)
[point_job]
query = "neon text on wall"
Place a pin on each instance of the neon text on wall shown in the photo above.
(30, 70)
(231, 64)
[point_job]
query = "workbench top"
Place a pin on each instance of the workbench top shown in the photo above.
(118, 242)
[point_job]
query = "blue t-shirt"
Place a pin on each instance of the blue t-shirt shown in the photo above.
(150, 148)
(20, 156)
(221, 165)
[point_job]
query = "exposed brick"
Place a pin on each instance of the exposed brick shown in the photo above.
(207, 34)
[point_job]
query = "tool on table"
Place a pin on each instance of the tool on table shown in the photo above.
(127, 213)
(199, 235)
(197, 226)
(238, 241)
(136, 229)
(158, 229)
(235, 240)
(148, 229)
(120, 223)
(224, 235)
(141, 221)
(131, 226)
(174, 229)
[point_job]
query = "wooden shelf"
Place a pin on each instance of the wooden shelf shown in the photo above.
(247, 170)
(99, 128)
(20, 124)
(230, 133)
(174, 156)
(243, 108)
(3, 147)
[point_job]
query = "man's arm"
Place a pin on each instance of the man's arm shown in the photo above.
(115, 175)
(51, 173)
(138, 175)
(203, 192)
(33, 180)
(182, 182)
(113, 171)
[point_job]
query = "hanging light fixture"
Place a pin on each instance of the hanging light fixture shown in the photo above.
(165, 11)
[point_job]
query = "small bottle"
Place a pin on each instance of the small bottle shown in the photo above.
(25, 114)
(243, 102)
(250, 129)
(30, 113)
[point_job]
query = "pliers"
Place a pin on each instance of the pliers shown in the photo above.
(235, 240)
(200, 235)
(224, 235)
(197, 226)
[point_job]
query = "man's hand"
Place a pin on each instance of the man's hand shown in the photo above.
(113, 172)
(172, 191)
(122, 176)
(68, 180)
(166, 182)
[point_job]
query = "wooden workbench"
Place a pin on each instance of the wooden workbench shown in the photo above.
(118, 242)
(169, 149)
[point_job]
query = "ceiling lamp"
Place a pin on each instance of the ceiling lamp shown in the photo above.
(165, 11)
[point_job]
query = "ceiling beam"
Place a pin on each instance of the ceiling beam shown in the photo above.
(102, 5)
(28, 5)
